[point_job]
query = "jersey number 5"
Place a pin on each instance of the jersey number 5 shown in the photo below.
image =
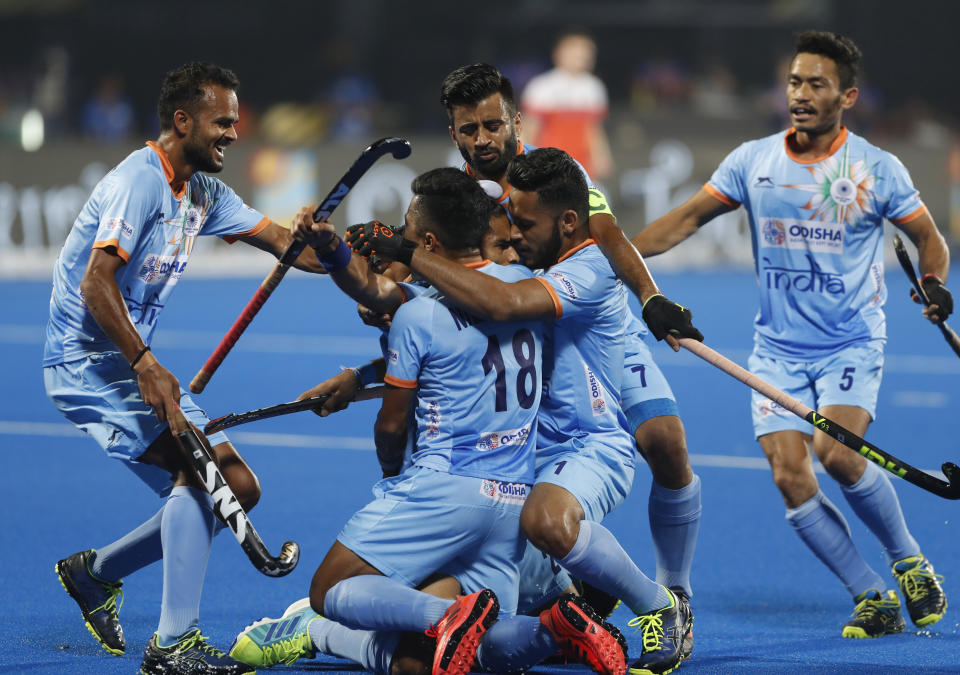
(493, 360)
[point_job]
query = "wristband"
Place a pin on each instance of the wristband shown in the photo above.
(356, 372)
(644, 305)
(931, 276)
(136, 359)
(368, 374)
(336, 259)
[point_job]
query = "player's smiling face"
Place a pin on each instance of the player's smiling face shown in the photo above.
(814, 97)
(486, 135)
(212, 129)
(537, 232)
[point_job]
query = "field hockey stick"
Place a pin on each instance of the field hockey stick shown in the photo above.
(226, 506)
(397, 147)
(236, 419)
(949, 489)
(948, 334)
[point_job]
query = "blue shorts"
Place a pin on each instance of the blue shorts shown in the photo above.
(596, 474)
(425, 521)
(849, 377)
(644, 393)
(100, 396)
(541, 580)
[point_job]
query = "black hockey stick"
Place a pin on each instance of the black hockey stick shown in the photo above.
(399, 148)
(236, 419)
(948, 333)
(949, 489)
(226, 506)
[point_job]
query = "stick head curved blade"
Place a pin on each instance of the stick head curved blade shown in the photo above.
(952, 472)
(398, 147)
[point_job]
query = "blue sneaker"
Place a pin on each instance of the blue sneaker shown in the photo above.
(190, 655)
(269, 642)
(98, 600)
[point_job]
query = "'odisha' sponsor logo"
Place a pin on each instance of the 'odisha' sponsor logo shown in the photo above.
(499, 439)
(507, 493)
(568, 286)
(598, 402)
(393, 356)
(156, 269)
(816, 233)
(771, 407)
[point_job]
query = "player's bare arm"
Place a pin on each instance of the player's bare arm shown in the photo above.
(274, 239)
(158, 386)
(341, 388)
(623, 257)
(356, 279)
(482, 294)
(934, 262)
(679, 224)
(390, 430)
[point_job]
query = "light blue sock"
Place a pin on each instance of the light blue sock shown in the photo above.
(598, 559)
(515, 643)
(674, 524)
(131, 552)
(187, 532)
(375, 602)
(875, 502)
(825, 532)
(372, 650)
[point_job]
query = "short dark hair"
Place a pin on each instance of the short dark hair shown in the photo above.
(556, 178)
(182, 88)
(456, 207)
(468, 85)
(838, 48)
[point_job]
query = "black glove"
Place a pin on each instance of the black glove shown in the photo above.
(664, 317)
(375, 238)
(937, 294)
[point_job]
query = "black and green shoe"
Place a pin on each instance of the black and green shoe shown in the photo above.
(663, 634)
(99, 600)
(922, 593)
(874, 615)
(190, 655)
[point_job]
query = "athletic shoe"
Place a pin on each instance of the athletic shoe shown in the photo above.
(687, 648)
(584, 637)
(460, 629)
(602, 602)
(663, 633)
(269, 642)
(921, 590)
(190, 655)
(874, 615)
(97, 600)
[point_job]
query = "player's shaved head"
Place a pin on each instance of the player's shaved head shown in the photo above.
(839, 49)
(468, 85)
(453, 206)
(182, 88)
(556, 178)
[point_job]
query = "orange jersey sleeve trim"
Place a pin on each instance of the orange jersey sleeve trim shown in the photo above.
(167, 169)
(719, 196)
(255, 230)
(910, 216)
(557, 307)
(581, 245)
(115, 243)
(397, 382)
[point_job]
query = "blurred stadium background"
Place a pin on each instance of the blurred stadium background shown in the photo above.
(688, 81)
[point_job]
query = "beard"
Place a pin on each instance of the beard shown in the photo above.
(545, 255)
(492, 169)
(201, 157)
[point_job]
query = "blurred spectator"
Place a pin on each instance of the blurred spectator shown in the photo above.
(108, 114)
(565, 107)
(50, 94)
(661, 81)
(353, 99)
(715, 91)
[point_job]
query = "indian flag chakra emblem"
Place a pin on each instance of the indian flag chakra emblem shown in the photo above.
(843, 191)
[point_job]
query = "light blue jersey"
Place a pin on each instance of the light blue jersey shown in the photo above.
(134, 210)
(817, 231)
(479, 385)
(584, 354)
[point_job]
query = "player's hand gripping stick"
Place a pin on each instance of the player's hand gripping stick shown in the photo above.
(383, 241)
(397, 147)
(226, 506)
(949, 489)
(944, 299)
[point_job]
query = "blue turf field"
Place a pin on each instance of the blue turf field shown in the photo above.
(763, 603)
